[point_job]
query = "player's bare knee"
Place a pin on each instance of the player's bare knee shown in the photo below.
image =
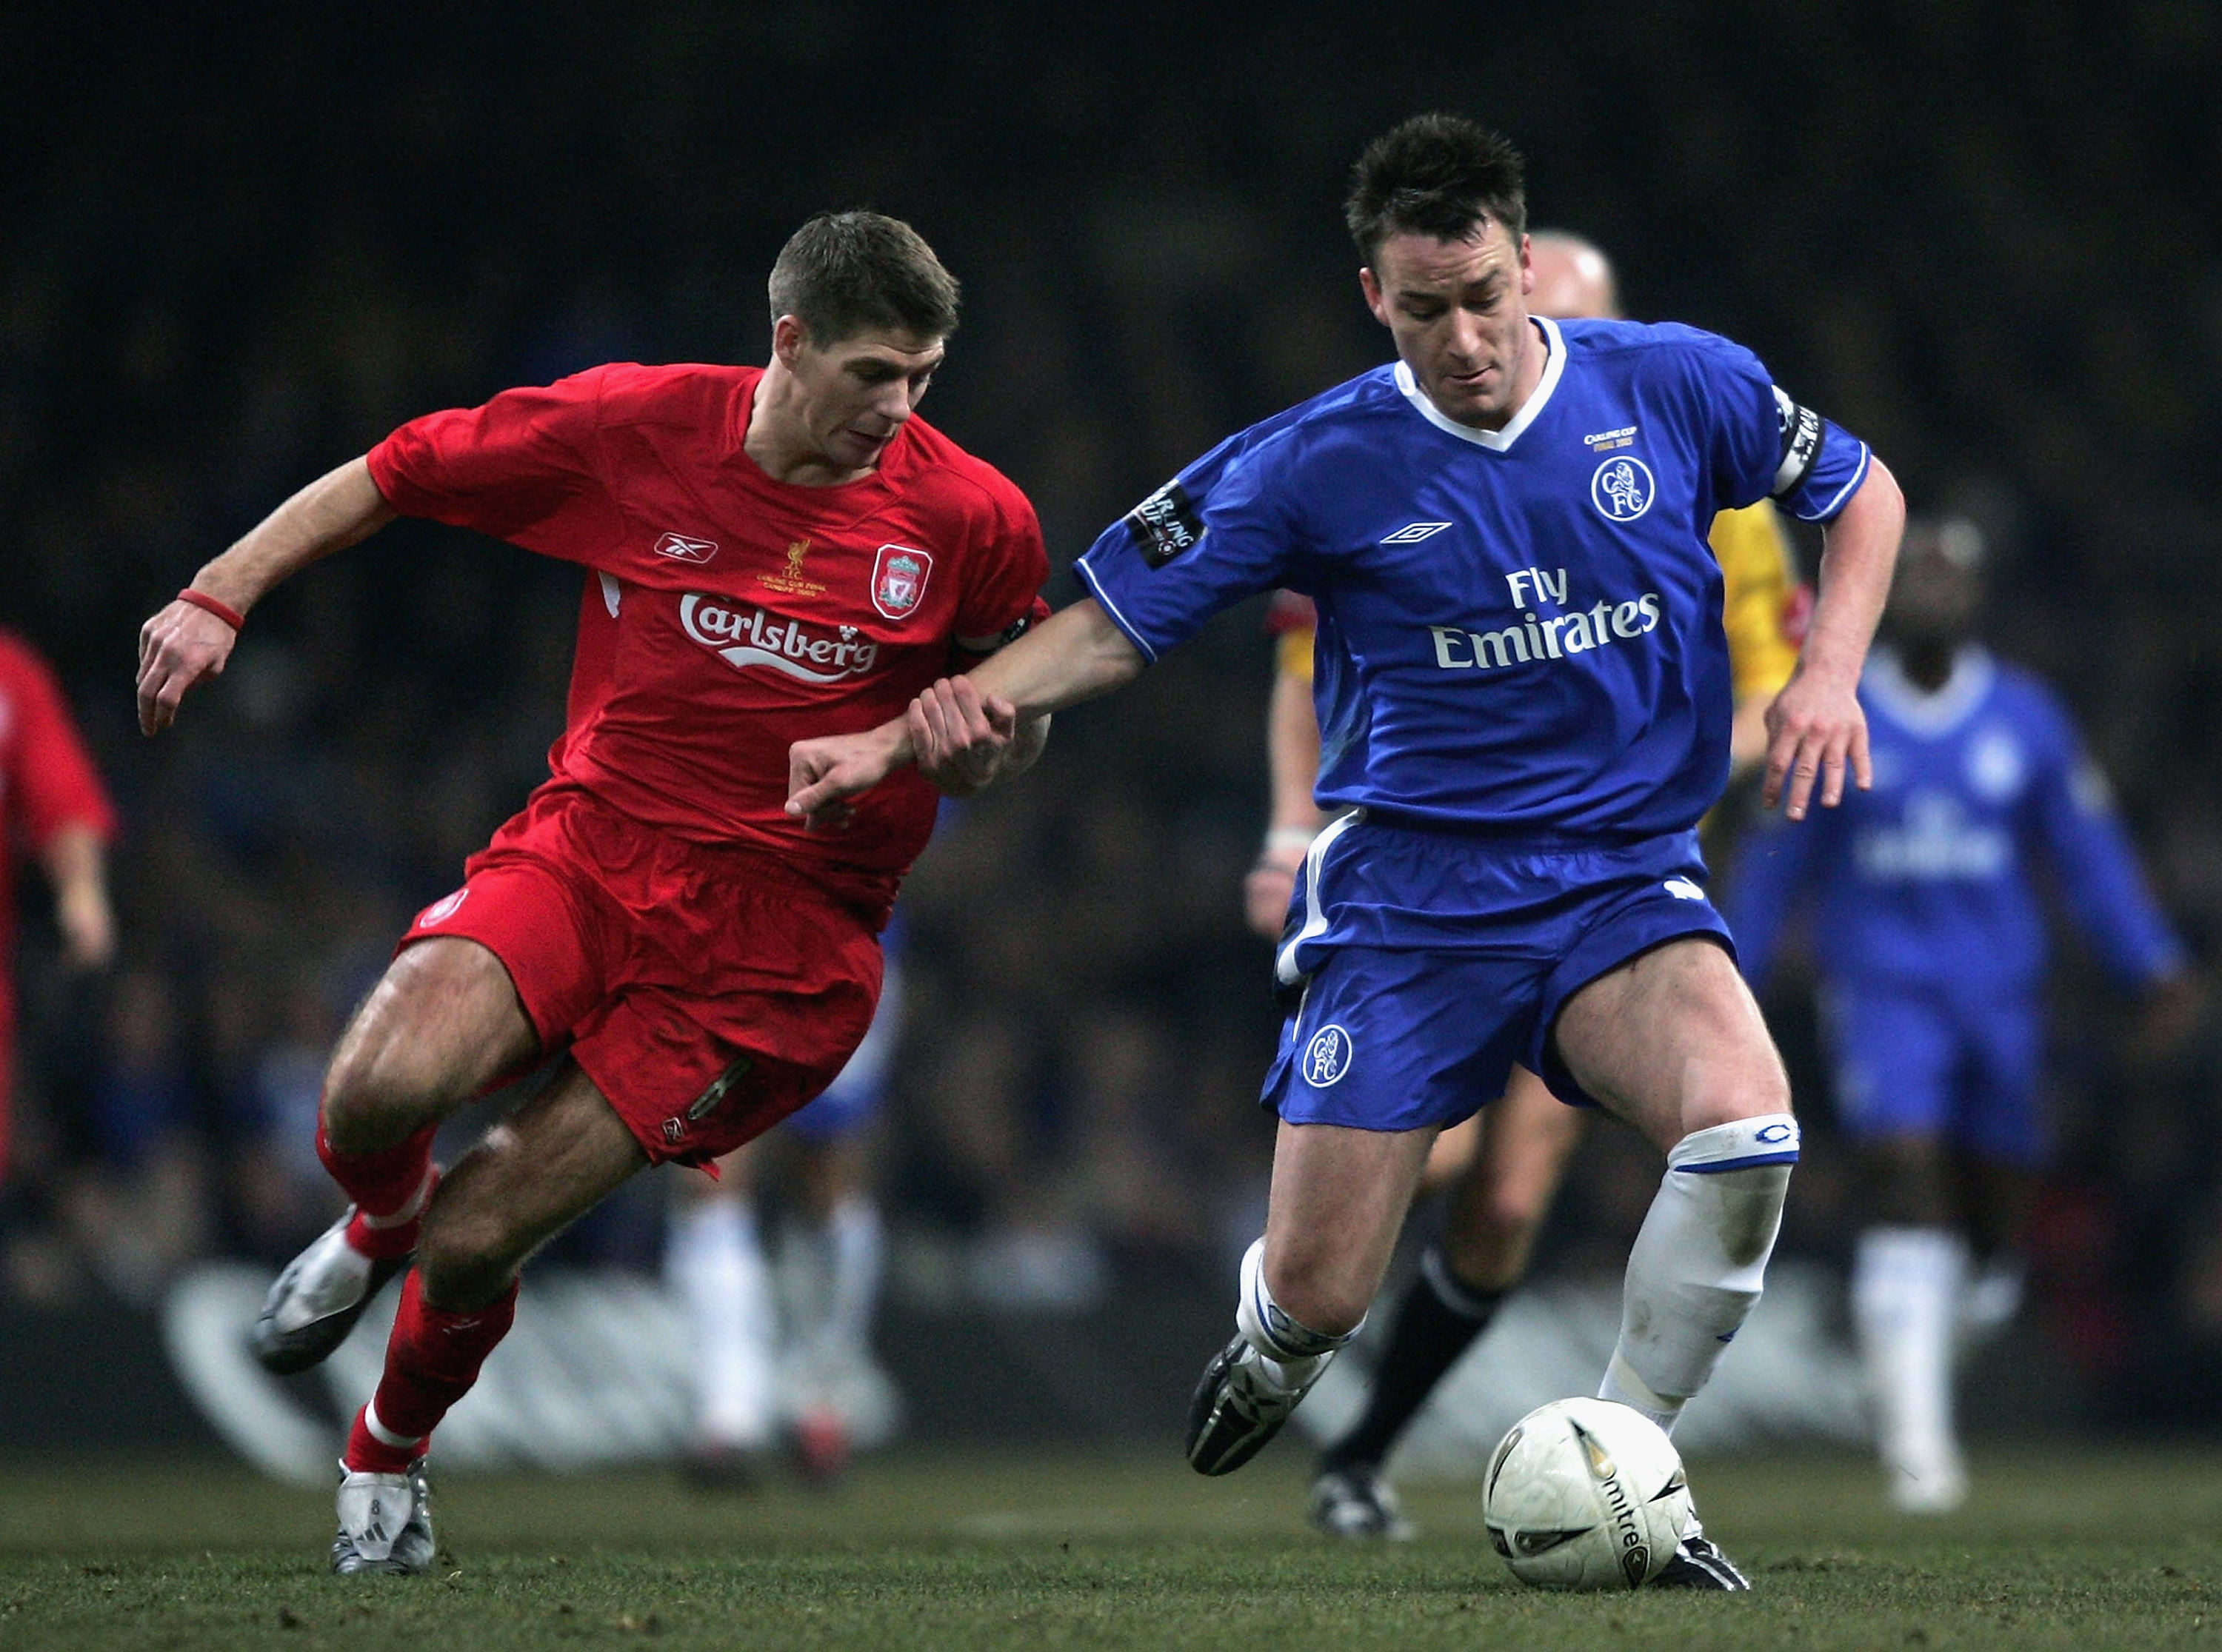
(1730, 1092)
(378, 1090)
(467, 1257)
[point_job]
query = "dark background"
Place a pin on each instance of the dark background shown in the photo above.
(237, 247)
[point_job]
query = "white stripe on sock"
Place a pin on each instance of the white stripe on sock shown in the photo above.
(383, 1434)
(408, 1213)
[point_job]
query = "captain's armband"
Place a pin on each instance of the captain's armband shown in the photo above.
(1803, 433)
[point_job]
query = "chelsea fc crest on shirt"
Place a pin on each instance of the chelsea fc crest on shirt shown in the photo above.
(899, 576)
(1622, 488)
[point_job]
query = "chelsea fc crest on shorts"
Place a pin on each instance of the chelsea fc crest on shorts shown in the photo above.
(899, 576)
(1327, 1058)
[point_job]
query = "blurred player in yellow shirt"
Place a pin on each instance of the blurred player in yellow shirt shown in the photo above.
(1504, 1165)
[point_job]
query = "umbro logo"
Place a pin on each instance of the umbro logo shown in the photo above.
(681, 549)
(1413, 532)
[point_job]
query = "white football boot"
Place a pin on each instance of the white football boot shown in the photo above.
(317, 1299)
(1930, 1479)
(386, 1524)
(1239, 1404)
(1357, 1503)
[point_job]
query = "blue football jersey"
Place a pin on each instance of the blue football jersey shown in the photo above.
(1519, 629)
(1925, 880)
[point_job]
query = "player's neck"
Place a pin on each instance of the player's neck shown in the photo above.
(1533, 360)
(779, 438)
(1525, 380)
(1928, 662)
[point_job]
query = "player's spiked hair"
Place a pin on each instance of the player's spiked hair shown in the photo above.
(845, 272)
(1437, 175)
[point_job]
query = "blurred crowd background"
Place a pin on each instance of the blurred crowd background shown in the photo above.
(237, 249)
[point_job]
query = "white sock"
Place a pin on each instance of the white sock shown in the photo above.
(1700, 1262)
(1991, 1300)
(713, 1261)
(1290, 1355)
(858, 1246)
(1905, 1302)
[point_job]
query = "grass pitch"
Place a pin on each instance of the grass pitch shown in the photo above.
(2085, 1549)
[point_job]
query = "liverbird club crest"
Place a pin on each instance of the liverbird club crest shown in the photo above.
(899, 576)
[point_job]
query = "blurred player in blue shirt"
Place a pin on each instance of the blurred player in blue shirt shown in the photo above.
(1524, 701)
(1929, 941)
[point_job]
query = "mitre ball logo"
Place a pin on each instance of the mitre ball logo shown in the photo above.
(899, 576)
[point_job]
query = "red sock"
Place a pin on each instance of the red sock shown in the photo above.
(431, 1360)
(382, 1184)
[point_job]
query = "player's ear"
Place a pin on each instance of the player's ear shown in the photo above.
(1371, 289)
(788, 335)
(1526, 266)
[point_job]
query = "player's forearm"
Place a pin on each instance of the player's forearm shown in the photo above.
(76, 860)
(1025, 748)
(339, 508)
(1859, 550)
(1292, 756)
(1076, 654)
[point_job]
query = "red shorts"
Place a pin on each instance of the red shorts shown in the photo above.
(707, 990)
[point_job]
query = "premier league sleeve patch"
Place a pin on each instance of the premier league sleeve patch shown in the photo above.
(1165, 524)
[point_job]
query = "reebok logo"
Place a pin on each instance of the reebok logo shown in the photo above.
(681, 549)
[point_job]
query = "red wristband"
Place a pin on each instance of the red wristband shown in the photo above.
(207, 603)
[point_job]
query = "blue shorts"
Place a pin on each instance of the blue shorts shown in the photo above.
(1921, 1062)
(1430, 962)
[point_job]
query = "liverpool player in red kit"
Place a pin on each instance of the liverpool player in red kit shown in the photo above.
(776, 553)
(51, 801)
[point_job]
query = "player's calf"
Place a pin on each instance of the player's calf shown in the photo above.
(1700, 1261)
(1254, 1383)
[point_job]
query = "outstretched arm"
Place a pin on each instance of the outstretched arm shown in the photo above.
(963, 726)
(1815, 727)
(183, 643)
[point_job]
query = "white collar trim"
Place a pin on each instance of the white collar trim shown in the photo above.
(1927, 713)
(1554, 366)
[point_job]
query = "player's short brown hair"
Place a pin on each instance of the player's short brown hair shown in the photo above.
(1437, 175)
(845, 272)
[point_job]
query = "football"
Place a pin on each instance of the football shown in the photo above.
(1586, 1494)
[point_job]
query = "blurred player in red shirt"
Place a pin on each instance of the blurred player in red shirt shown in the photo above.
(775, 553)
(52, 803)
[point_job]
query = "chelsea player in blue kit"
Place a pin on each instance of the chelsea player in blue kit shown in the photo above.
(1931, 950)
(1524, 702)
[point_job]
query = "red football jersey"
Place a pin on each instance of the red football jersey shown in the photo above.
(744, 613)
(47, 777)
